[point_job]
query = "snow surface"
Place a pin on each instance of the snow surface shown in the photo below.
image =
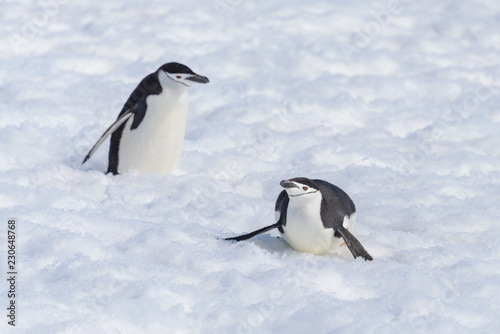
(396, 102)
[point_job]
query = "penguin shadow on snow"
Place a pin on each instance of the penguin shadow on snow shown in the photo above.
(313, 216)
(270, 243)
(278, 245)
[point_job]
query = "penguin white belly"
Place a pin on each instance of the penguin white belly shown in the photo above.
(156, 144)
(304, 230)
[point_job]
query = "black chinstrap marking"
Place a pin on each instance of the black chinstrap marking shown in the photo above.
(311, 192)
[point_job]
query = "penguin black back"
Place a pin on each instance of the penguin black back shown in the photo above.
(335, 205)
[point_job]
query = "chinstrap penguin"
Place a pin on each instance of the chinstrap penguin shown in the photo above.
(149, 131)
(314, 216)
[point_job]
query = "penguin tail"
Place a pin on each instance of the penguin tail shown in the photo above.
(254, 233)
(354, 245)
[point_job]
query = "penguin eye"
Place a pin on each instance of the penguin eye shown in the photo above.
(305, 188)
(178, 77)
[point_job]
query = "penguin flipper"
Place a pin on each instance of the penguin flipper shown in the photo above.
(122, 119)
(254, 233)
(354, 245)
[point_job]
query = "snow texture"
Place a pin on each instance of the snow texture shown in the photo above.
(396, 102)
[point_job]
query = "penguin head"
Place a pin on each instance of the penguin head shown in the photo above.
(300, 188)
(182, 74)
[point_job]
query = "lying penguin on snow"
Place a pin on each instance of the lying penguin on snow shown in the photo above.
(314, 216)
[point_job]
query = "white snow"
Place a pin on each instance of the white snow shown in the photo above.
(396, 102)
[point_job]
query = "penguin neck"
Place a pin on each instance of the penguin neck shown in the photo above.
(172, 99)
(171, 102)
(306, 201)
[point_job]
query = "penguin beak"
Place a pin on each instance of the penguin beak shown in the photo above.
(288, 184)
(198, 79)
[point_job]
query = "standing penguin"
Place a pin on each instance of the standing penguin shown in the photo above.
(149, 131)
(314, 216)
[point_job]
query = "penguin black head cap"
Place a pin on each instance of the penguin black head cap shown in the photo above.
(176, 68)
(182, 73)
(299, 186)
